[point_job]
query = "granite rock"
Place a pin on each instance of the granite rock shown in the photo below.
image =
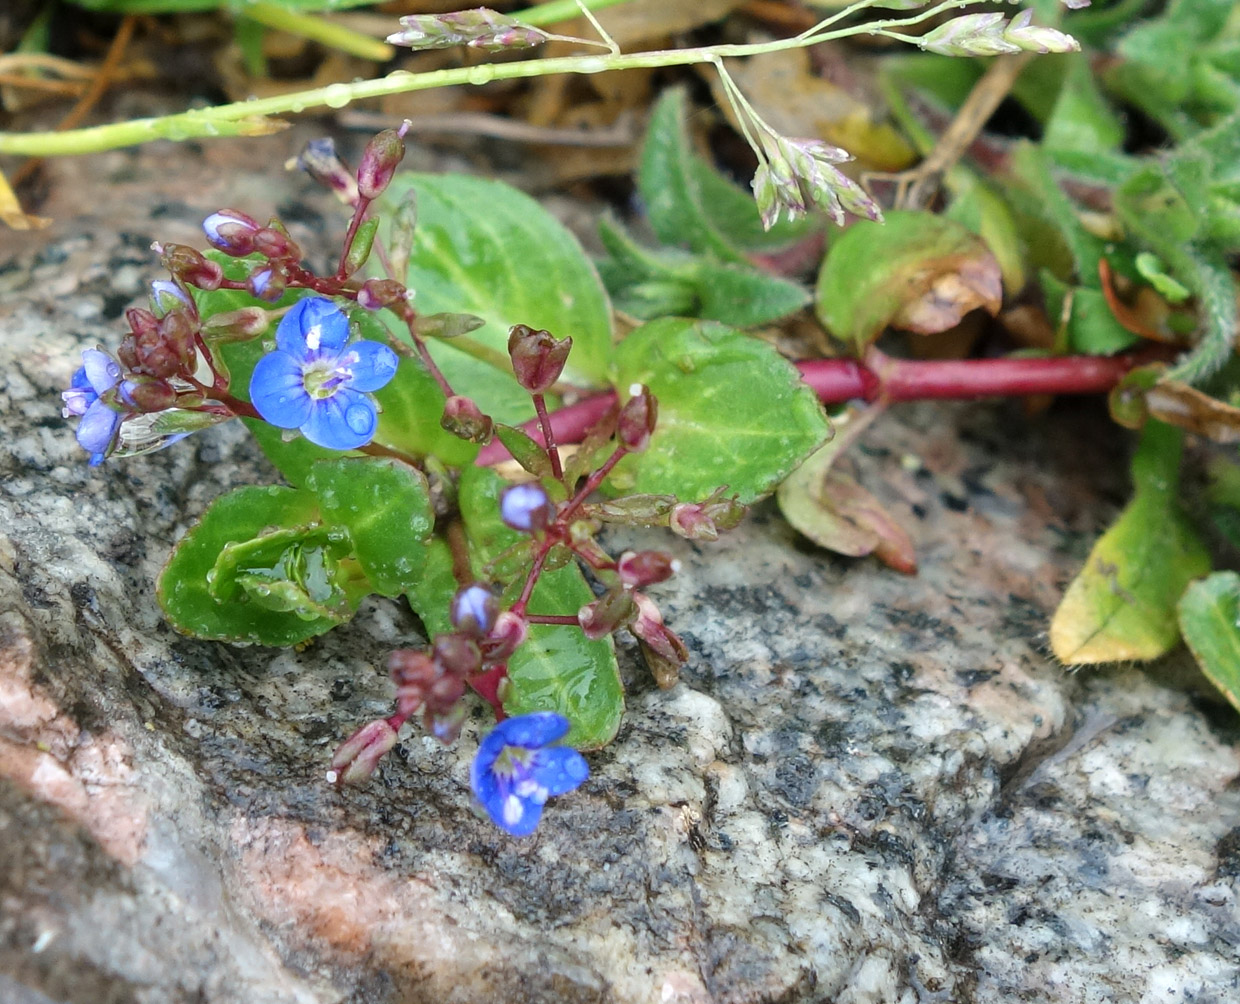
(866, 789)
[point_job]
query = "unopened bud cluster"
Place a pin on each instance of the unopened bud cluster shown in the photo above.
(993, 35)
(481, 28)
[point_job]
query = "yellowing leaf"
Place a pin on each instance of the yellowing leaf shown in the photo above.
(1123, 604)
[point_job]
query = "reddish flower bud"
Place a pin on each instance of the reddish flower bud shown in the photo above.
(607, 614)
(231, 231)
(359, 755)
(319, 159)
(150, 395)
(507, 635)
(272, 242)
(537, 357)
(267, 283)
(446, 726)
(474, 609)
(648, 627)
(380, 159)
(237, 325)
(413, 671)
(457, 655)
(177, 329)
(463, 418)
(376, 294)
(639, 569)
(637, 419)
(190, 266)
(704, 520)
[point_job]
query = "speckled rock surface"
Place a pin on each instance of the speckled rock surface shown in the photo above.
(866, 789)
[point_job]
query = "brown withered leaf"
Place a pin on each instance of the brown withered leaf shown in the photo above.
(960, 284)
(1179, 404)
(835, 512)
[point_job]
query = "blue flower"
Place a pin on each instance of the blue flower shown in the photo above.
(517, 770)
(314, 382)
(526, 507)
(98, 374)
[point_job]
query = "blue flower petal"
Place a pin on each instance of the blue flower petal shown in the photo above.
(533, 730)
(313, 326)
(97, 429)
(374, 365)
(102, 371)
(344, 421)
(278, 391)
(560, 769)
(519, 816)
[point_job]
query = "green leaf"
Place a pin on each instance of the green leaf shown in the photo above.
(525, 450)
(385, 507)
(482, 247)
(648, 284)
(183, 588)
(1122, 605)
(731, 411)
(1210, 619)
(915, 265)
(1082, 119)
(293, 570)
(689, 204)
(1092, 328)
(558, 668)
(431, 594)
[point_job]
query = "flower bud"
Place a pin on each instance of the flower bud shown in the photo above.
(150, 395)
(272, 242)
(474, 609)
(167, 295)
(380, 159)
(457, 655)
(190, 266)
(464, 419)
(359, 755)
(649, 628)
(505, 637)
(318, 158)
(237, 325)
(607, 614)
(376, 294)
(231, 231)
(637, 419)
(267, 283)
(537, 357)
(446, 726)
(704, 520)
(413, 671)
(526, 507)
(638, 569)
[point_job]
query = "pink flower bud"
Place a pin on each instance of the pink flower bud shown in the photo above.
(237, 325)
(150, 395)
(607, 614)
(505, 637)
(649, 628)
(376, 294)
(319, 159)
(359, 755)
(639, 569)
(464, 419)
(379, 162)
(272, 242)
(231, 231)
(537, 357)
(190, 266)
(637, 419)
(456, 655)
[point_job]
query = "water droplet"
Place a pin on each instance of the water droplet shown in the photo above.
(359, 418)
(337, 95)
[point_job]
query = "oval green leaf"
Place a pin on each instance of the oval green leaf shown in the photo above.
(1210, 620)
(732, 411)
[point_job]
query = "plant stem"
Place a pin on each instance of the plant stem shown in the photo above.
(894, 380)
(544, 423)
(250, 118)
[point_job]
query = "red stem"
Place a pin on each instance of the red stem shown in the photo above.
(544, 423)
(838, 380)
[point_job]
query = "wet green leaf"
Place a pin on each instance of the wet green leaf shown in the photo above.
(183, 588)
(1210, 620)
(385, 507)
(731, 411)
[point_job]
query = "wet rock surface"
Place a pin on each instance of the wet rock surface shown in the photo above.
(866, 788)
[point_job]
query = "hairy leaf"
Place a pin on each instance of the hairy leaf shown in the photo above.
(1210, 619)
